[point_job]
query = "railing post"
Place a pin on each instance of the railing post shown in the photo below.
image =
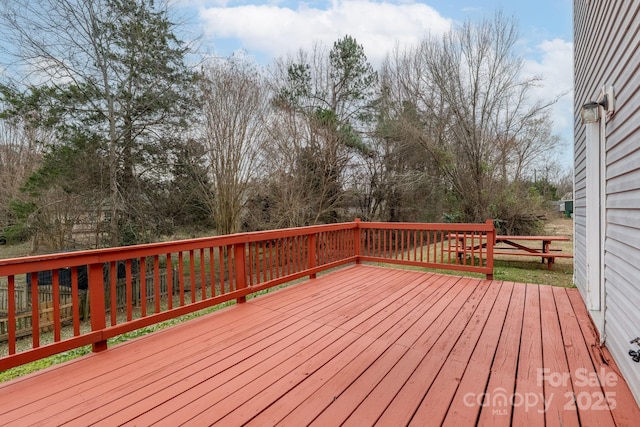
(96, 303)
(11, 320)
(240, 259)
(312, 254)
(491, 241)
(356, 240)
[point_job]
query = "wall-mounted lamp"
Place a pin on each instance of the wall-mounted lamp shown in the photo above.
(590, 111)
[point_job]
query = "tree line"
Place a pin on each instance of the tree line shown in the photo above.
(110, 131)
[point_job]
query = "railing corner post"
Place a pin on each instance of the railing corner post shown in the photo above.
(493, 229)
(356, 240)
(491, 241)
(96, 304)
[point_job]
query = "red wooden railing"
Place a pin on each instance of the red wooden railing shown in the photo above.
(458, 247)
(128, 288)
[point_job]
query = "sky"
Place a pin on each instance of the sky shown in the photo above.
(265, 30)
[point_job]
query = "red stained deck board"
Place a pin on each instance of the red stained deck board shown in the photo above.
(196, 408)
(356, 346)
(220, 369)
(402, 317)
(271, 414)
(483, 325)
(265, 392)
(154, 374)
(477, 369)
(331, 391)
(503, 369)
(424, 331)
(155, 341)
(394, 306)
(555, 365)
(403, 313)
(341, 380)
(347, 307)
(406, 402)
(427, 329)
(528, 408)
(580, 365)
(325, 289)
(604, 364)
(315, 370)
(109, 366)
(292, 318)
(385, 294)
(302, 403)
(336, 411)
(181, 402)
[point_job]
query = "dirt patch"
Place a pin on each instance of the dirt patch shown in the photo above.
(15, 251)
(559, 227)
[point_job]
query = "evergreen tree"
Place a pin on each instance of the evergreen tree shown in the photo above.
(112, 73)
(331, 93)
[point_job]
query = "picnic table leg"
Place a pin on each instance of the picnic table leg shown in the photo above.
(545, 249)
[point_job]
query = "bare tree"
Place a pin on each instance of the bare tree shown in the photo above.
(474, 113)
(20, 156)
(235, 103)
(323, 97)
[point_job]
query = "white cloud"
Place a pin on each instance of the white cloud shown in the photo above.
(274, 31)
(555, 66)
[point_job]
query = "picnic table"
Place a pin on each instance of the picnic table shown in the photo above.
(519, 246)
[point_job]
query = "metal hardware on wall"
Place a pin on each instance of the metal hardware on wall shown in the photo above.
(635, 354)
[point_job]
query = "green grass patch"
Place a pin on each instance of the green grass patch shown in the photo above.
(561, 273)
(520, 271)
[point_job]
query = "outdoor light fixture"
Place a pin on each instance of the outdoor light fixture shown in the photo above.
(590, 111)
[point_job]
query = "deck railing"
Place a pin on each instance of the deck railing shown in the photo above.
(458, 247)
(185, 276)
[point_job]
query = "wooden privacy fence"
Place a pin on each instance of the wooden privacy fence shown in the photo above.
(24, 320)
(24, 316)
(137, 292)
(24, 323)
(20, 298)
(185, 276)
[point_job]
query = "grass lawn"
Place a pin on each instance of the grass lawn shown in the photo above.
(531, 270)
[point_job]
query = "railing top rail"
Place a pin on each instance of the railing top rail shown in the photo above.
(487, 226)
(13, 266)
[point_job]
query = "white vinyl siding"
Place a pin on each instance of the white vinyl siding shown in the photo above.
(607, 41)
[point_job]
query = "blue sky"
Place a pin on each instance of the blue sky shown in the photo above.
(269, 29)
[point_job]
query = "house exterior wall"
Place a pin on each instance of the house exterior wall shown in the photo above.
(606, 53)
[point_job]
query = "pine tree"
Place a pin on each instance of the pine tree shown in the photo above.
(112, 72)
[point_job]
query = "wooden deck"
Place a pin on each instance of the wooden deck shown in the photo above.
(360, 346)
